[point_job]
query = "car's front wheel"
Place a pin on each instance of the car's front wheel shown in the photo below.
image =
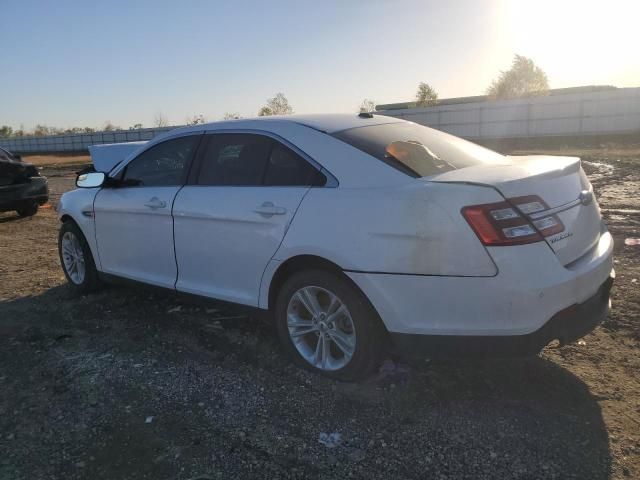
(327, 325)
(76, 258)
(28, 210)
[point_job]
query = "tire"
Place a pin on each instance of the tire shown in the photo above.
(355, 329)
(72, 244)
(28, 210)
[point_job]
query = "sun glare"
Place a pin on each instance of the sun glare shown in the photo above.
(579, 41)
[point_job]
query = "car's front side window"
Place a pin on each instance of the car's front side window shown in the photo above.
(164, 164)
(4, 155)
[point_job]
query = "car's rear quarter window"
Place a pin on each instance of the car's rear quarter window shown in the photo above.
(234, 160)
(286, 168)
(244, 159)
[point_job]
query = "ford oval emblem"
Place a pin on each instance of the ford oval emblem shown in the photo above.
(586, 197)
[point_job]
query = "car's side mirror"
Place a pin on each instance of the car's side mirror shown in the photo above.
(90, 180)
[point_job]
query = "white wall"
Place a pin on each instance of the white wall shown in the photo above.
(77, 142)
(596, 113)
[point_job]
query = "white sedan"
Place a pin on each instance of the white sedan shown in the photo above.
(352, 230)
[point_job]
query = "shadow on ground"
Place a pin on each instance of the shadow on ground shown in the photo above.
(130, 384)
(12, 218)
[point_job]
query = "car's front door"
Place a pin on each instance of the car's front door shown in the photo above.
(230, 222)
(134, 226)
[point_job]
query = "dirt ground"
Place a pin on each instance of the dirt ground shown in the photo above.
(66, 159)
(127, 383)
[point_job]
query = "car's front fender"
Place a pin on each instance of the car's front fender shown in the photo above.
(78, 205)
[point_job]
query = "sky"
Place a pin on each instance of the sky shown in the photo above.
(79, 63)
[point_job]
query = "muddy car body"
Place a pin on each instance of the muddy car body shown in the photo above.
(351, 230)
(22, 188)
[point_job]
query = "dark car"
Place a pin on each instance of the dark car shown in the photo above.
(22, 188)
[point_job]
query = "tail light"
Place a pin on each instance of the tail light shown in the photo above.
(510, 222)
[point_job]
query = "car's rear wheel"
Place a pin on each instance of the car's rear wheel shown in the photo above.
(28, 210)
(327, 325)
(76, 258)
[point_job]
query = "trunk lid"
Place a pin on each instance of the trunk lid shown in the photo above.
(559, 181)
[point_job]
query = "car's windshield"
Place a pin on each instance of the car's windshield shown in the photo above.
(4, 154)
(417, 150)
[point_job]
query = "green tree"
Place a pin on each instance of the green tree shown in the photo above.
(524, 78)
(278, 105)
(367, 105)
(5, 131)
(426, 95)
(137, 126)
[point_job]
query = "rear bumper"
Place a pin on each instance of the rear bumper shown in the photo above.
(531, 287)
(15, 196)
(567, 326)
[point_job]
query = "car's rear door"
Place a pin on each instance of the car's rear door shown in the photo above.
(231, 219)
(134, 226)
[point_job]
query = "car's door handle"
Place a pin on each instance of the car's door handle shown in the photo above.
(268, 209)
(155, 202)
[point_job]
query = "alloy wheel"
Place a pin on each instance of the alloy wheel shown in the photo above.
(321, 328)
(73, 258)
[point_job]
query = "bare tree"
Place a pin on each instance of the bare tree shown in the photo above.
(71, 130)
(524, 78)
(367, 105)
(196, 120)
(137, 126)
(42, 130)
(231, 116)
(159, 120)
(278, 105)
(110, 127)
(426, 95)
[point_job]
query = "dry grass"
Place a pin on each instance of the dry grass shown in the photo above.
(57, 159)
(632, 151)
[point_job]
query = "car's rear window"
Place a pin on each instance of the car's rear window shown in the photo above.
(416, 150)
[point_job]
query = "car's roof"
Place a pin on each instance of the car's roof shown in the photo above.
(303, 132)
(325, 122)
